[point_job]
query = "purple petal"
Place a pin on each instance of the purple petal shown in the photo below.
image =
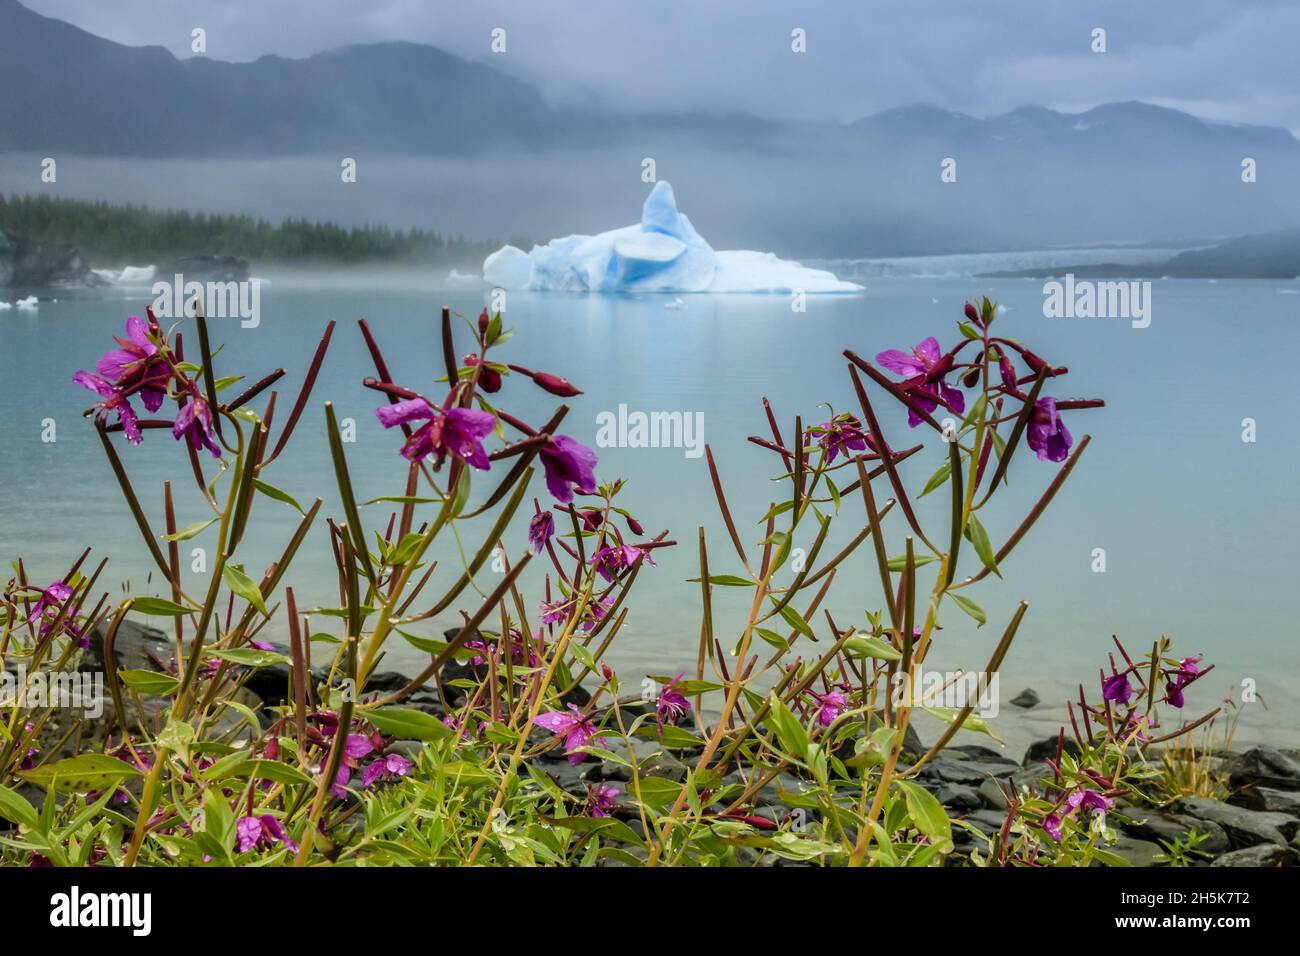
(400, 413)
(95, 383)
(928, 351)
(900, 363)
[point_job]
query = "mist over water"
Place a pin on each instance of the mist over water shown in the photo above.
(797, 197)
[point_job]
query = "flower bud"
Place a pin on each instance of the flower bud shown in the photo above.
(483, 322)
(635, 526)
(556, 385)
(489, 379)
(605, 669)
(972, 313)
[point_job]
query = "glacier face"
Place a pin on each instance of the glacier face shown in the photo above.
(662, 253)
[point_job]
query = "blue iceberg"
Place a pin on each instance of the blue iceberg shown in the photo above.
(662, 253)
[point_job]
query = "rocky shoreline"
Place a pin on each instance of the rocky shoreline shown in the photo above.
(1257, 826)
(32, 265)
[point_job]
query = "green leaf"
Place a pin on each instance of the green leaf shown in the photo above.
(259, 770)
(937, 479)
(159, 606)
(149, 682)
(872, 647)
(978, 537)
(727, 580)
(186, 533)
(795, 620)
(177, 737)
(273, 492)
(17, 810)
(786, 726)
(899, 561)
(776, 640)
(251, 657)
(927, 814)
(405, 548)
(970, 607)
(972, 722)
(242, 584)
(406, 723)
(80, 774)
(218, 821)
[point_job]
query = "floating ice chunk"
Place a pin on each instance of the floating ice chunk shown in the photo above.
(128, 275)
(28, 304)
(509, 267)
(5, 306)
(676, 304)
(662, 253)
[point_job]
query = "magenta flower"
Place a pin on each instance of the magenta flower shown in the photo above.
(540, 529)
(113, 400)
(133, 367)
(457, 430)
(610, 561)
(575, 727)
(843, 434)
(48, 608)
(389, 767)
(253, 832)
(194, 422)
(1174, 693)
(671, 706)
(925, 370)
(1047, 434)
(1117, 688)
(569, 465)
(559, 612)
(1188, 668)
(357, 746)
(1090, 800)
(1052, 824)
(601, 799)
(830, 706)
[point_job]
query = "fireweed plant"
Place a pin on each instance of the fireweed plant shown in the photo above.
(461, 763)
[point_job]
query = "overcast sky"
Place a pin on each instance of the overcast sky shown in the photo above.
(1232, 60)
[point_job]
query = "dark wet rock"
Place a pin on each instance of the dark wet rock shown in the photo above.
(973, 752)
(1269, 799)
(1046, 749)
(958, 797)
(993, 796)
(1244, 827)
(1153, 826)
(1264, 855)
(1026, 698)
(136, 646)
(35, 264)
(1137, 852)
(570, 777)
(1264, 767)
(988, 822)
(664, 764)
(960, 769)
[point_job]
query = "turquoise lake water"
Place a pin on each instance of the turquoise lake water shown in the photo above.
(1199, 527)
